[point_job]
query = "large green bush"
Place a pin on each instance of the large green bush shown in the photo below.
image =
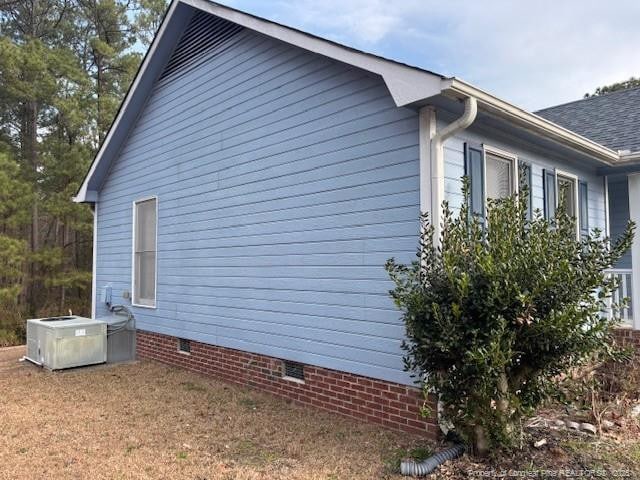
(495, 311)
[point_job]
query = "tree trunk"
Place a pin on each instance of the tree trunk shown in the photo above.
(504, 404)
(503, 390)
(29, 146)
(480, 441)
(99, 119)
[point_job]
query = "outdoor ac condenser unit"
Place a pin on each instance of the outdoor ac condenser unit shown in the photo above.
(66, 342)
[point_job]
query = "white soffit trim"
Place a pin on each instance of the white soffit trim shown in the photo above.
(406, 84)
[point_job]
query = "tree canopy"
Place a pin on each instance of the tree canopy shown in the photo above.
(632, 82)
(64, 69)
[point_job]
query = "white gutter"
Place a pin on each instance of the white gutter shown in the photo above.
(437, 160)
(629, 157)
(492, 104)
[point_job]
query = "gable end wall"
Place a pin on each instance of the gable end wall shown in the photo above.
(284, 182)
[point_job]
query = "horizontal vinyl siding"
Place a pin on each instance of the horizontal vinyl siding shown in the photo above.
(454, 170)
(284, 182)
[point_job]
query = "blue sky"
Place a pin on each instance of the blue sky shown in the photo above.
(534, 53)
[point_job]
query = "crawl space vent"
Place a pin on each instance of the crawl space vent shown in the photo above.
(184, 345)
(205, 34)
(293, 370)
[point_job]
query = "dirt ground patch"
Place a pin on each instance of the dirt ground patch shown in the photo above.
(147, 420)
(567, 455)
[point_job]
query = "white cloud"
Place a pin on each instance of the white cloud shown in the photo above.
(532, 53)
(545, 52)
(366, 21)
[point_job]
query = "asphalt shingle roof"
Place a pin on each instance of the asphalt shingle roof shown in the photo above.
(612, 120)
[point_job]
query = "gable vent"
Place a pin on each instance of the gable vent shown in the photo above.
(293, 371)
(205, 34)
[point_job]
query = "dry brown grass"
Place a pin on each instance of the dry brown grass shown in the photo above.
(147, 420)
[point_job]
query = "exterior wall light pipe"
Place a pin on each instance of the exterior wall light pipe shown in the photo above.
(437, 160)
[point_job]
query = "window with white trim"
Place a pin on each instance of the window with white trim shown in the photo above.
(568, 194)
(492, 174)
(501, 174)
(568, 201)
(145, 229)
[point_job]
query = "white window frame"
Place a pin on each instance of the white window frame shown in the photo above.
(505, 155)
(576, 183)
(133, 254)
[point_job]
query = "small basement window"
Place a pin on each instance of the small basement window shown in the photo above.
(293, 371)
(184, 345)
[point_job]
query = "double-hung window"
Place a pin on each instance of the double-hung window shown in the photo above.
(565, 191)
(145, 230)
(492, 173)
(501, 174)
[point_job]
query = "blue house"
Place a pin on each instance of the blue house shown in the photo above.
(257, 178)
(613, 120)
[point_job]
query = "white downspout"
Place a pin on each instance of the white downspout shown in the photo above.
(437, 161)
(436, 164)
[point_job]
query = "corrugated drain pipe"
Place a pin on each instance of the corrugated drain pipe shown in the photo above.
(420, 469)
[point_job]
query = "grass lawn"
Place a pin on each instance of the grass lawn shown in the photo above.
(147, 420)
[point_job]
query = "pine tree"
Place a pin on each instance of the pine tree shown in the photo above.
(64, 69)
(15, 200)
(148, 18)
(30, 87)
(108, 36)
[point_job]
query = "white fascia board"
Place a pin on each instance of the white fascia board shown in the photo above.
(406, 84)
(458, 88)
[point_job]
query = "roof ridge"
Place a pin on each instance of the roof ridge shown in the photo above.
(592, 97)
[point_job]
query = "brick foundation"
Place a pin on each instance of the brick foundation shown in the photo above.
(627, 337)
(388, 404)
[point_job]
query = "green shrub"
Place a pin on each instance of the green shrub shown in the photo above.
(495, 312)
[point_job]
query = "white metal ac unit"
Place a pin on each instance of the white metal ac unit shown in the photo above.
(65, 342)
